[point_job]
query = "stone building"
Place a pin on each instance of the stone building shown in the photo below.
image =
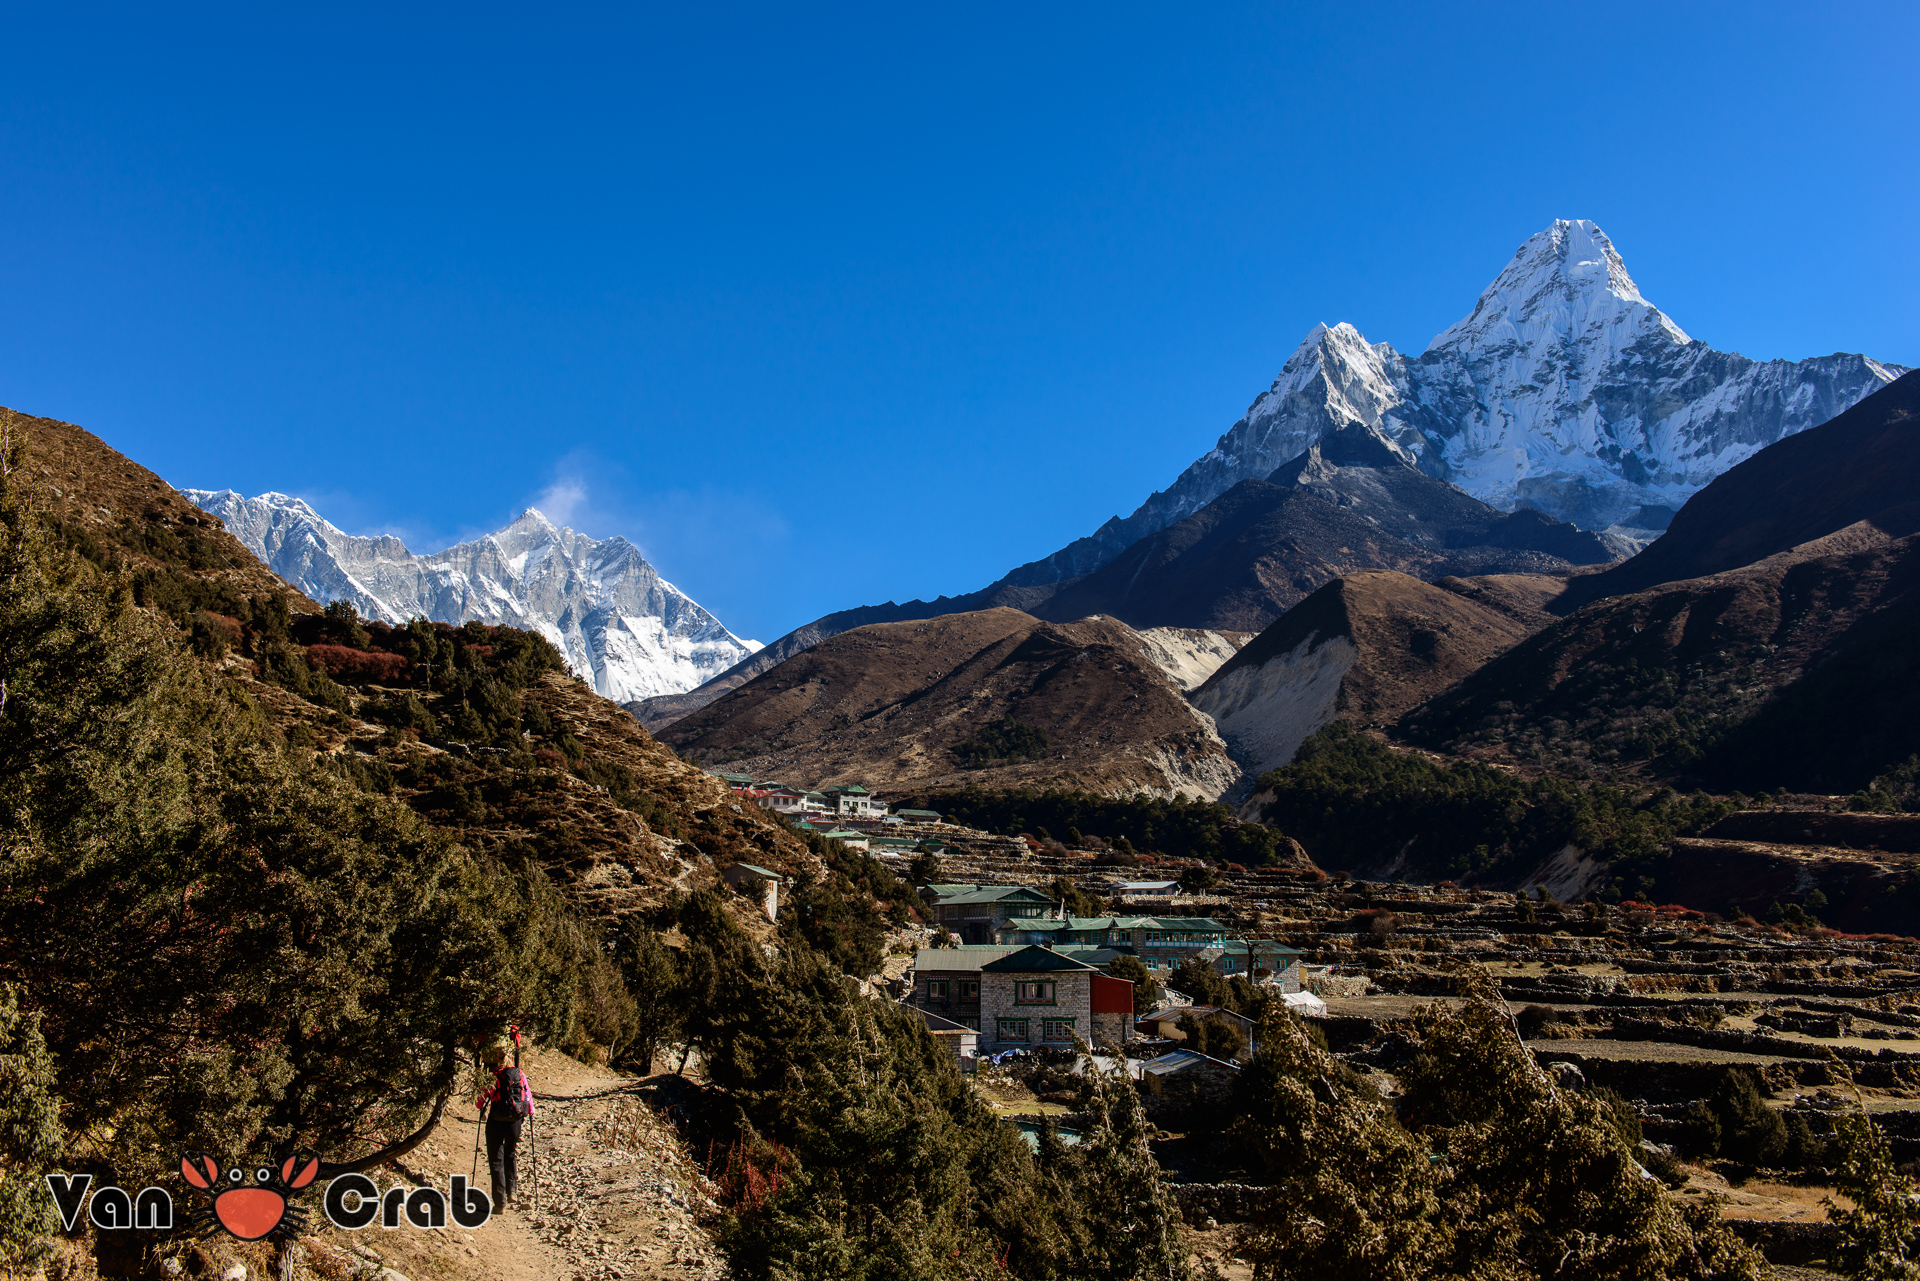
(1039, 997)
(748, 878)
(946, 980)
(1182, 1083)
(977, 913)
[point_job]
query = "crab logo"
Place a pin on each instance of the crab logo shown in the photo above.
(250, 1204)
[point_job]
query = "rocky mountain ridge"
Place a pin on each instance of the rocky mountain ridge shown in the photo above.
(1563, 392)
(987, 698)
(621, 626)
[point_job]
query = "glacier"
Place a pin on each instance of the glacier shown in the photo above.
(620, 626)
(1563, 390)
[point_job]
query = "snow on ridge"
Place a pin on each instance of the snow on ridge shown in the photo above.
(1563, 390)
(619, 624)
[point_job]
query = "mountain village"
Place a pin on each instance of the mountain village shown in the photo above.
(1427, 817)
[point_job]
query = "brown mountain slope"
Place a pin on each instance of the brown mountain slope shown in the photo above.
(1796, 671)
(103, 504)
(1346, 505)
(1254, 553)
(905, 703)
(1367, 647)
(1863, 465)
(612, 817)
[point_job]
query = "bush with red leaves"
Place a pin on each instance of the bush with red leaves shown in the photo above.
(358, 665)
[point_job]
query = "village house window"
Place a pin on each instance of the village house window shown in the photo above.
(1013, 1029)
(1033, 993)
(1056, 1029)
(970, 990)
(936, 989)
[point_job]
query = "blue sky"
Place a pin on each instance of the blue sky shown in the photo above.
(828, 306)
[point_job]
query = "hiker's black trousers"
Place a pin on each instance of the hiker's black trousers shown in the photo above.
(503, 1142)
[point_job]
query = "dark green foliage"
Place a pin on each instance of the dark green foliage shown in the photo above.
(654, 981)
(401, 711)
(1076, 900)
(1750, 1132)
(1805, 1149)
(243, 948)
(1002, 741)
(30, 1138)
(1197, 880)
(1199, 980)
(845, 914)
(1879, 1238)
(286, 665)
(340, 625)
(1218, 1037)
(1349, 800)
(1620, 1114)
(1487, 1171)
(1181, 828)
(1533, 1020)
(1146, 988)
(924, 869)
(1895, 792)
(861, 1152)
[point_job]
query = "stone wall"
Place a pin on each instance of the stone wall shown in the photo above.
(1073, 999)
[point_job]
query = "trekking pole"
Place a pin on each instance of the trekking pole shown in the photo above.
(533, 1143)
(479, 1124)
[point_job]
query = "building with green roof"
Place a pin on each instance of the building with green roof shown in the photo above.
(977, 913)
(1039, 997)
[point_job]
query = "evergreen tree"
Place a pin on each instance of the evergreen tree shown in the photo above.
(245, 949)
(30, 1138)
(1878, 1235)
(1121, 1190)
(656, 987)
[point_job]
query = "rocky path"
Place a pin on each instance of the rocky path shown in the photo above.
(617, 1197)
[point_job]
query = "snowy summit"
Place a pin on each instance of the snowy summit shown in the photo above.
(619, 624)
(1563, 389)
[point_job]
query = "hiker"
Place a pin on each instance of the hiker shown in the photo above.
(512, 1100)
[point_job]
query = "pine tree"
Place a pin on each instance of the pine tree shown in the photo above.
(1878, 1236)
(1133, 1219)
(30, 1137)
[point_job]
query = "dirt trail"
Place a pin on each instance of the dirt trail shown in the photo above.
(618, 1197)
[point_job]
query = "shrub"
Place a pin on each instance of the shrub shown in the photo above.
(358, 666)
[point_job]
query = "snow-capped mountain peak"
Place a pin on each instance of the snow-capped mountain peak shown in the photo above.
(1563, 389)
(1567, 282)
(619, 624)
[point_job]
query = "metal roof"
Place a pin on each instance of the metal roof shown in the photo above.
(1035, 959)
(1180, 1061)
(972, 956)
(988, 894)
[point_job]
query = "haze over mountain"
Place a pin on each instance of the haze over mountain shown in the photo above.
(621, 626)
(1563, 391)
